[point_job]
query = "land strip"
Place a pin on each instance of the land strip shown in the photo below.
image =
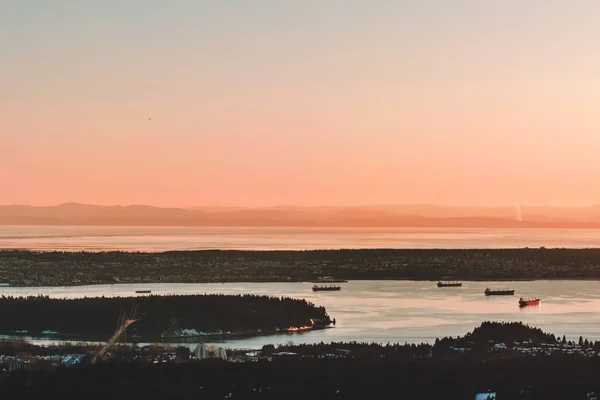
(513, 360)
(170, 316)
(26, 268)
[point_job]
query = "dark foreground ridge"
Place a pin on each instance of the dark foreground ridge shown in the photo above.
(542, 378)
(158, 315)
(521, 363)
(23, 268)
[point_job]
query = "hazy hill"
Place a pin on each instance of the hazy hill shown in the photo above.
(83, 214)
(418, 215)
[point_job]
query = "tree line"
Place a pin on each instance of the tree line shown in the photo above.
(157, 314)
(545, 377)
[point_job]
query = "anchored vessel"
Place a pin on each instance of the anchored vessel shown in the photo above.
(326, 288)
(449, 284)
(529, 301)
(499, 292)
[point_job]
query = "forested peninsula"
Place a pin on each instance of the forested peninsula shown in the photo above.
(157, 316)
(27, 268)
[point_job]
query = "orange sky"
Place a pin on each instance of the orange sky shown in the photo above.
(312, 104)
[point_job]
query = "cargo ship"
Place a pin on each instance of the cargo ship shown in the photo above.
(499, 292)
(529, 301)
(326, 288)
(143, 291)
(449, 284)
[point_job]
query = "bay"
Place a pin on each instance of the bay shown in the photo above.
(390, 311)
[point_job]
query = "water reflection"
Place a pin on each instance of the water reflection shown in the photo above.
(98, 238)
(531, 309)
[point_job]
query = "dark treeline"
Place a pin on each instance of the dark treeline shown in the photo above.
(546, 377)
(487, 334)
(356, 371)
(501, 332)
(476, 345)
(353, 350)
(204, 313)
(64, 268)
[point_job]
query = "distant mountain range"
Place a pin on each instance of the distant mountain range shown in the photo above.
(418, 215)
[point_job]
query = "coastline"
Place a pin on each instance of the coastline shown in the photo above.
(100, 339)
(433, 281)
(169, 317)
(33, 268)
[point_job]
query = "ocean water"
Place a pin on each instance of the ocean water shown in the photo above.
(391, 311)
(153, 239)
(369, 311)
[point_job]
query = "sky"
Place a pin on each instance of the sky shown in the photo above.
(314, 102)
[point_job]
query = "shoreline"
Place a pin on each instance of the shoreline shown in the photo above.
(166, 340)
(34, 269)
(522, 327)
(161, 317)
(286, 281)
(289, 250)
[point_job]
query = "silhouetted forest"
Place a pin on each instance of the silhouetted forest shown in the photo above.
(328, 371)
(24, 268)
(515, 337)
(354, 350)
(501, 332)
(546, 377)
(204, 313)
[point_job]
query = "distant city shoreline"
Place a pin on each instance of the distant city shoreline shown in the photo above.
(32, 268)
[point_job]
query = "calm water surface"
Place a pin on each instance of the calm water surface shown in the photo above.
(395, 311)
(90, 238)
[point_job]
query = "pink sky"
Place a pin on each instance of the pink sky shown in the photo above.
(318, 103)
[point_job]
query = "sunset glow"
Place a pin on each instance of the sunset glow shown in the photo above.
(200, 102)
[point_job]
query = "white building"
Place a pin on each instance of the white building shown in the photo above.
(201, 352)
(204, 352)
(221, 353)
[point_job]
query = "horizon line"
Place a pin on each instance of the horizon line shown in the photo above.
(279, 205)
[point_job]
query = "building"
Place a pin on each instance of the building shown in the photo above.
(201, 352)
(221, 353)
(18, 364)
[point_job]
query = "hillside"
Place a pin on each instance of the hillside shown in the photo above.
(419, 215)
